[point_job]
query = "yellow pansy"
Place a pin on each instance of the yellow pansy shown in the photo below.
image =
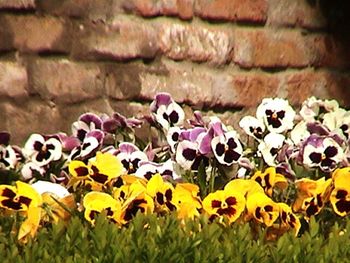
(99, 171)
(340, 195)
(224, 204)
(162, 193)
(187, 201)
(269, 179)
(97, 202)
(288, 218)
(245, 186)
(54, 208)
(262, 208)
(312, 195)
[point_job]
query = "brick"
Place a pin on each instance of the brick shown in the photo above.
(39, 34)
(34, 116)
(232, 10)
(196, 42)
(270, 48)
(6, 36)
(63, 81)
(91, 9)
(208, 87)
(121, 39)
(298, 86)
(327, 51)
(151, 8)
(295, 13)
(17, 4)
(13, 80)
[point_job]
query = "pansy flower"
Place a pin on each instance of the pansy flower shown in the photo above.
(288, 218)
(42, 151)
(98, 172)
(311, 196)
(97, 202)
(313, 108)
(32, 170)
(321, 151)
(56, 201)
(299, 133)
(149, 169)
(270, 147)
(224, 204)
(136, 200)
(340, 195)
(270, 178)
(227, 148)
(87, 122)
(166, 112)
(25, 199)
(186, 199)
(338, 121)
(130, 156)
(262, 208)
(117, 121)
(8, 157)
(162, 194)
(90, 145)
(252, 127)
(173, 137)
(276, 114)
(188, 155)
(246, 187)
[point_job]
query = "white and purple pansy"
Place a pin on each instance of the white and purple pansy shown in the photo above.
(8, 157)
(321, 151)
(173, 137)
(149, 169)
(42, 150)
(166, 112)
(130, 156)
(227, 148)
(188, 155)
(338, 121)
(276, 114)
(270, 147)
(253, 127)
(90, 145)
(32, 170)
(313, 108)
(87, 122)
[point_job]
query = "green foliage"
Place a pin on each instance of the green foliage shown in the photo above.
(166, 239)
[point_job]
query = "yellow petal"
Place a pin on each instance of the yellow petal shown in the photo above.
(30, 226)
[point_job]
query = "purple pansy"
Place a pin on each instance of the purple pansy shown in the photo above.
(42, 151)
(90, 145)
(166, 112)
(130, 156)
(321, 151)
(87, 122)
(111, 124)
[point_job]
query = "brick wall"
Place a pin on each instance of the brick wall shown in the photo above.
(61, 58)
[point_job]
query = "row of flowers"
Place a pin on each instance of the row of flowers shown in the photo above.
(286, 167)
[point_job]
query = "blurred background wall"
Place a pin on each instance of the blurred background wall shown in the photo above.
(60, 58)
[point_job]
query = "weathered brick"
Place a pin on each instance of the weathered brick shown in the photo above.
(232, 10)
(298, 86)
(270, 48)
(92, 9)
(208, 87)
(17, 4)
(196, 42)
(39, 34)
(121, 39)
(13, 80)
(34, 116)
(295, 13)
(327, 51)
(63, 81)
(6, 36)
(151, 8)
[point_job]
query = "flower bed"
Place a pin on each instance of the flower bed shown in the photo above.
(289, 168)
